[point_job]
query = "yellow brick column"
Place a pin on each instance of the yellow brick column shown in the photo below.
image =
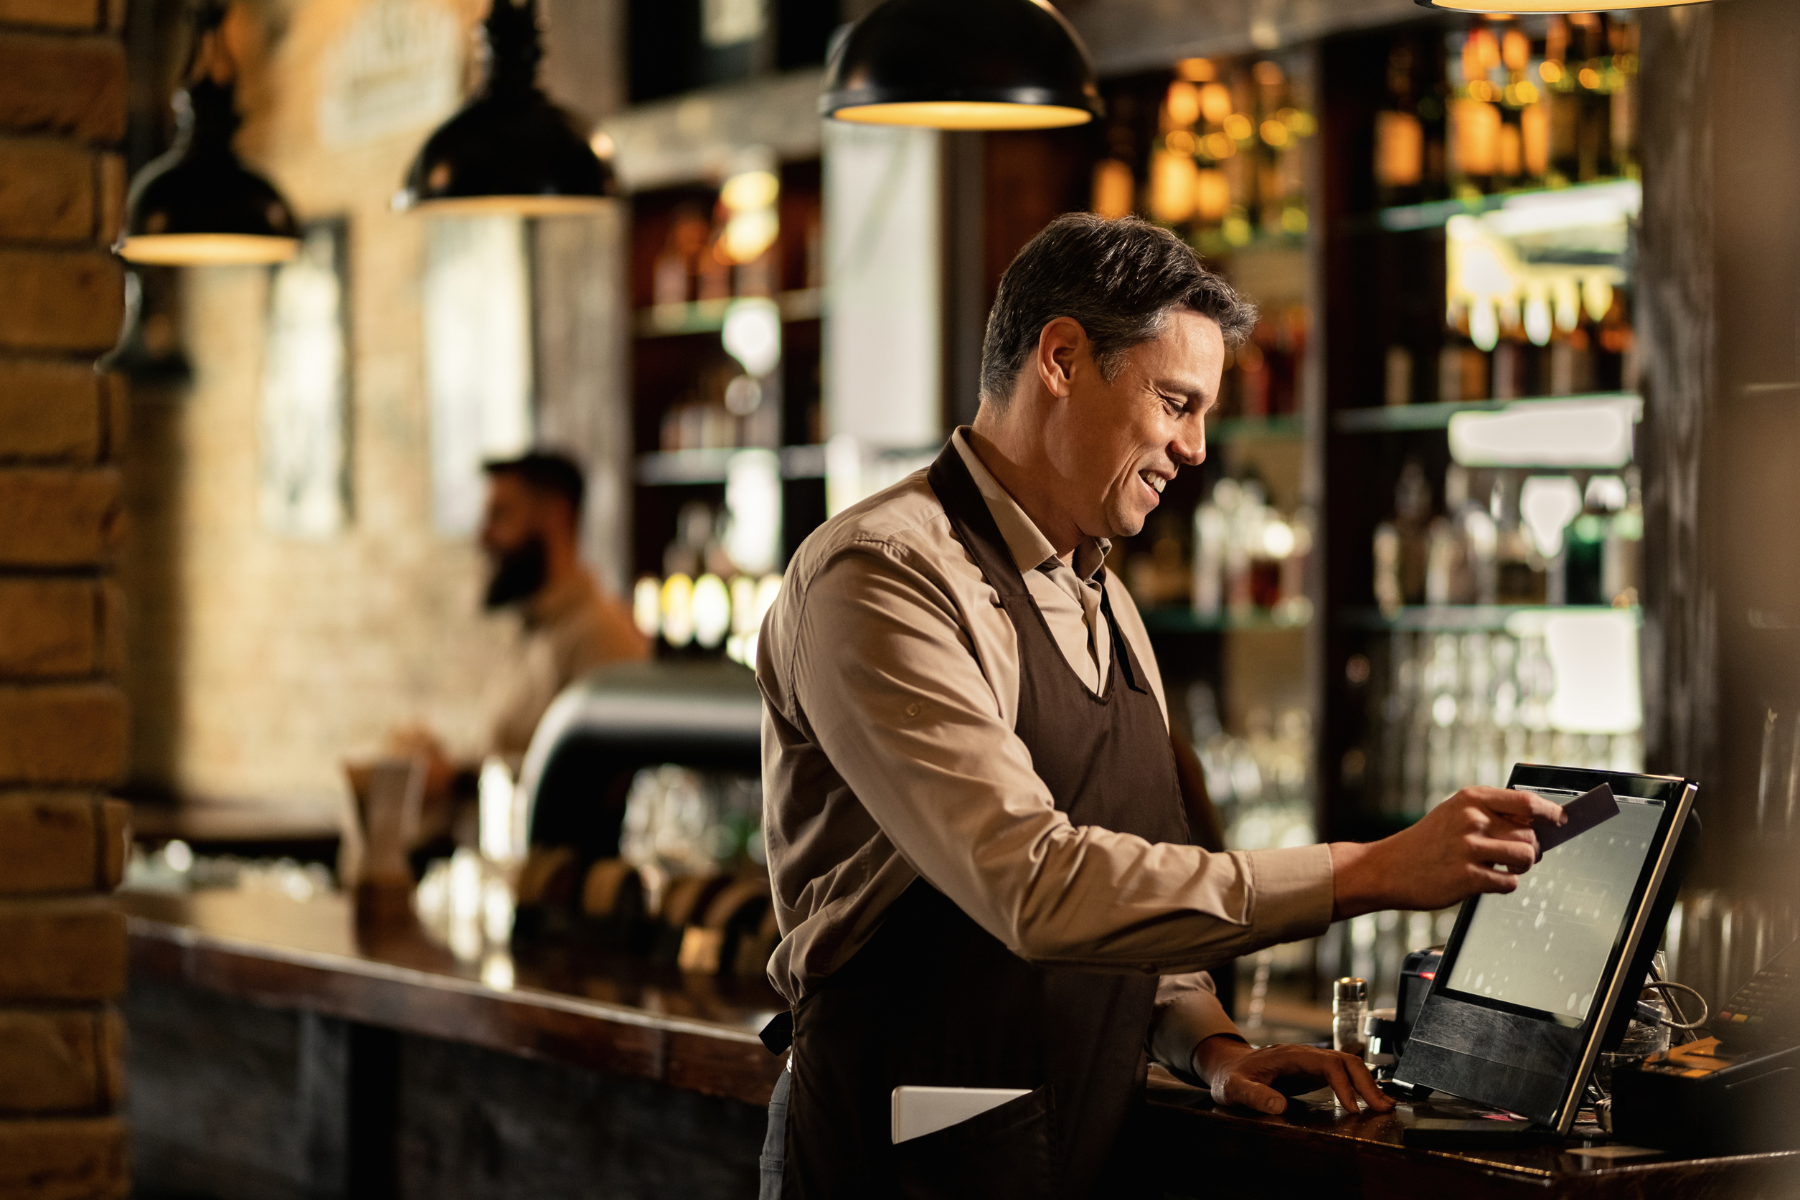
(63, 733)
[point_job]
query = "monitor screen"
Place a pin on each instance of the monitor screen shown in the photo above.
(1545, 946)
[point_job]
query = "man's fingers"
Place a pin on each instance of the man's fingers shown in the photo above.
(1525, 806)
(1520, 856)
(1250, 1094)
(1489, 880)
(1339, 1078)
(1378, 1100)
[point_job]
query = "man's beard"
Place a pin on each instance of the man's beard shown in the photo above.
(518, 575)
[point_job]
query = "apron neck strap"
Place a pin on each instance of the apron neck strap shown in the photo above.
(973, 522)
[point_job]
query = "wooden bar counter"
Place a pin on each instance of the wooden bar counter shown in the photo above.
(283, 1049)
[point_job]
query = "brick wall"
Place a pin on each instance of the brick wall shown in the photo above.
(63, 734)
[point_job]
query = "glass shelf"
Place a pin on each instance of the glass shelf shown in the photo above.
(1436, 214)
(1175, 619)
(708, 316)
(1468, 618)
(1287, 428)
(1404, 417)
(676, 468)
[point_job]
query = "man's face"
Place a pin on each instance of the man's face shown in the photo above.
(512, 537)
(1117, 444)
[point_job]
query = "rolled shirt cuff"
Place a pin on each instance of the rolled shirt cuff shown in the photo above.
(1184, 1021)
(1292, 893)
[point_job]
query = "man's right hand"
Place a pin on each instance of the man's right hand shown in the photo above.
(1455, 851)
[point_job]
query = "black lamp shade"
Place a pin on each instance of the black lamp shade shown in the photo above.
(198, 203)
(509, 150)
(507, 153)
(962, 64)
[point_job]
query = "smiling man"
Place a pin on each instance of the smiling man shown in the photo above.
(976, 834)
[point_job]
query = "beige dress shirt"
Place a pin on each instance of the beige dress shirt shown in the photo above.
(891, 679)
(568, 630)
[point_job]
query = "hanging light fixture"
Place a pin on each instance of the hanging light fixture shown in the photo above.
(198, 204)
(962, 64)
(509, 150)
(1539, 7)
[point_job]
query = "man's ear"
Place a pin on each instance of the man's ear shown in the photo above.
(1060, 343)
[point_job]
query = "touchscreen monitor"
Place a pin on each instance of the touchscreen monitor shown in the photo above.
(1531, 979)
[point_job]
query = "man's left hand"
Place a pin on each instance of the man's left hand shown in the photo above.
(1241, 1075)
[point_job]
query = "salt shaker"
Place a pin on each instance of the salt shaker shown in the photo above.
(1349, 1013)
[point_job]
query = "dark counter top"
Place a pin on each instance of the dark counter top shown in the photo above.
(616, 1014)
(1316, 1144)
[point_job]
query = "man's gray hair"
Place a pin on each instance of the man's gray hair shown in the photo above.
(1117, 279)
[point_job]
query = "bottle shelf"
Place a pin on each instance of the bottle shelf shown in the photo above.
(1436, 214)
(1467, 618)
(1175, 619)
(677, 468)
(1253, 429)
(708, 316)
(1401, 418)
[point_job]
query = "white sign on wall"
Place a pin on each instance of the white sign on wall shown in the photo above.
(477, 357)
(883, 247)
(397, 67)
(304, 486)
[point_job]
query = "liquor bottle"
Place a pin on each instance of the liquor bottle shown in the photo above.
(1460, 562)
(1412, 519)
(1622, 554)
(1587, 538)
(1209, 561)
(1520, 576)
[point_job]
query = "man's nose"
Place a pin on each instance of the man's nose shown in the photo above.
(1188, 447)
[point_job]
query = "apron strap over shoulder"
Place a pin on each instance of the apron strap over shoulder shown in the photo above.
(974, 525)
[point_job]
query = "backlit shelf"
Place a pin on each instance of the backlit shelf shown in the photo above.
(1623, 193)
(1469, 618)
(708, 316)
(1401, 418)
(1175, 619)
(1255, 429)
(693, 467)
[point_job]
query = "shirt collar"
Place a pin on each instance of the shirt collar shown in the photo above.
(1029, 547)
(554, 603)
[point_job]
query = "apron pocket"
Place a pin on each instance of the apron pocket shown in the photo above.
(1004, 1152)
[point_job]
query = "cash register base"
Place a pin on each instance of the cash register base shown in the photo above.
(1699, 1099)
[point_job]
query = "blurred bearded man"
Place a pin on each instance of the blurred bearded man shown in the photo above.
(569, 624)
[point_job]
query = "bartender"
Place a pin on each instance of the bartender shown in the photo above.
(567, 623)
(976, 834)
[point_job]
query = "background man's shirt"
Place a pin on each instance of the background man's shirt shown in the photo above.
(891, 680)
(568, 630)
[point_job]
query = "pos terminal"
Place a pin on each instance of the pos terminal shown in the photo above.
(1534, 983)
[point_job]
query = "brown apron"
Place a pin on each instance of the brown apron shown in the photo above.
(933, 999)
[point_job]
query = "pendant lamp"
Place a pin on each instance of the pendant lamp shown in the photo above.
(198, 204)
(510, 150)
(962, 64)
(1536, 7)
